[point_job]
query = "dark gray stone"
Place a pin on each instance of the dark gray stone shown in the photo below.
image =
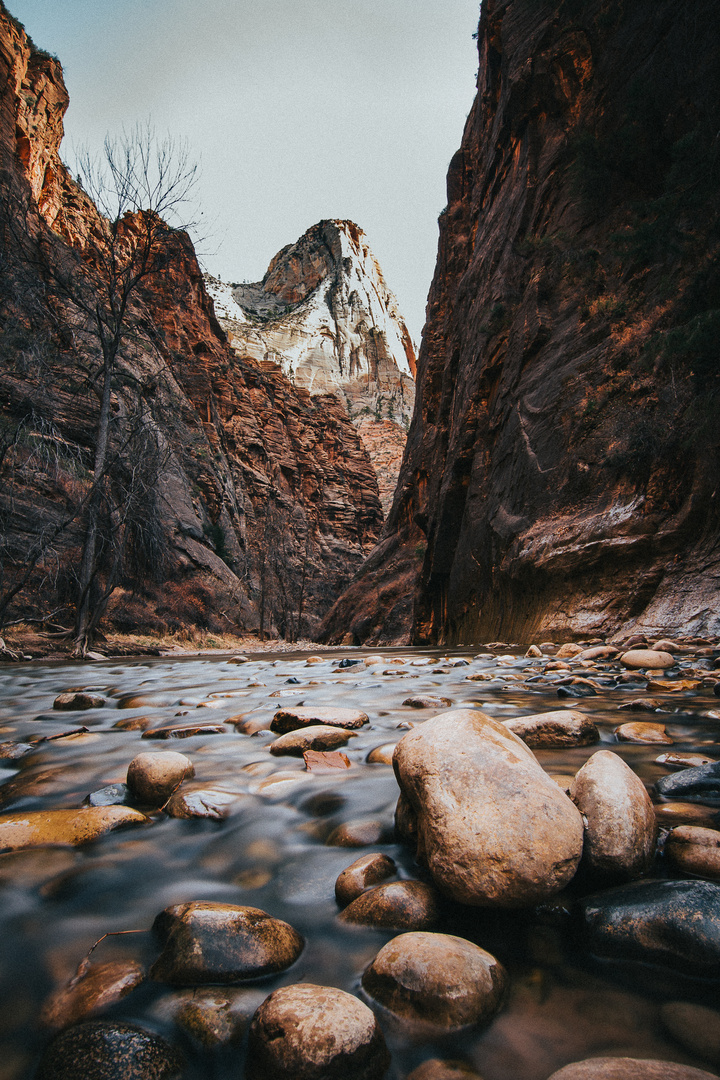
(701, 784)
(103, 1050)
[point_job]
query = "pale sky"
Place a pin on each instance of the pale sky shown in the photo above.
(296, 109)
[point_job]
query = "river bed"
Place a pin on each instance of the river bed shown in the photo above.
(271, 851)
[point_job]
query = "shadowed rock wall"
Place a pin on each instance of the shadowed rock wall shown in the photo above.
(560, 476)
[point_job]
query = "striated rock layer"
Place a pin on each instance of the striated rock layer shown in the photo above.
(561, 469)
(325, 315)
(261, 500)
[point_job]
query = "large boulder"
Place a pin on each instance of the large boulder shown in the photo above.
(221, 943)
(439, 980)
(672, 923)
(306, 1032)
(492, 826)
(621, 826)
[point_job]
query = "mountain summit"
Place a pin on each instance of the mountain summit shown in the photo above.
(324, 314)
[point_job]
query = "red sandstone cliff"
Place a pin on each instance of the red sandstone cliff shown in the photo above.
(261, 500)
(561, 470)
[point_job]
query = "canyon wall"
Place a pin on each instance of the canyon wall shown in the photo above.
(258, 500)
(561, 473)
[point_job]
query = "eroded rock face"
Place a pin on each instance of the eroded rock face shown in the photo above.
(544, 490)
(261, 485)
(477, 793)
(315, 1033)
(621, 827)
(221, 943)
(436, 979)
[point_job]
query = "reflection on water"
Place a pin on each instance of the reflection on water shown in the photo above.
(271, 853)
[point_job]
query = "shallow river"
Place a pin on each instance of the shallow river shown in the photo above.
(271, 851)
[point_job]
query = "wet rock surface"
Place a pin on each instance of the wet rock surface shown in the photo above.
(670, 923)
(478, 793)
(701, 783)
(561, 728)
(102, 1050)
(398, 905)
(365, 872)
(621, 829)
(315, 1033)
(290, 719)
(221, 943)
(38, 828)
(436, 979)
(153, 777)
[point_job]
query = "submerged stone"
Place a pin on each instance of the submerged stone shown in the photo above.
(106, 1050)
(398, 905)
(101, 986)
(35, 828)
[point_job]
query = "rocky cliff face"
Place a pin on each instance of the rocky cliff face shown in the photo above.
(325, 316)
(258, 501)
(561, 470)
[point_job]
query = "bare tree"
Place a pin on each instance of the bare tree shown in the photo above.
(94, 295)
(141, 186)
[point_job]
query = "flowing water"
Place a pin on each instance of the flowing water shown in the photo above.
(271, 851)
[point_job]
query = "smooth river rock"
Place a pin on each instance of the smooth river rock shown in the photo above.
(437, 1069)
(672, 923)
(694, 850)
(624, 1068)
(436, 979)
(492, 826)
(701, 783)
(641, 731)
(78, 700)
(35, 828)
(154, 776)
(651, 659)
(108, 1050)
(365, 872)
(397, 905)
(561, 727)
(621, 827)
(290, 719)
(306, 1032)
(315, 737)
(221, 943)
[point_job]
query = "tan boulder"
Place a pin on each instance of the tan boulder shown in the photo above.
(289, 719)
(154, 776)
(315, 1033)
(566, 652)
(221, 943)
(647, 658)
(492, 826)
(694, 850)
(365, 872)
(36, 828)
(315, 737)
(621, 827)
(561, 727)
(397, 905)
(381, 755)
(436, 979)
